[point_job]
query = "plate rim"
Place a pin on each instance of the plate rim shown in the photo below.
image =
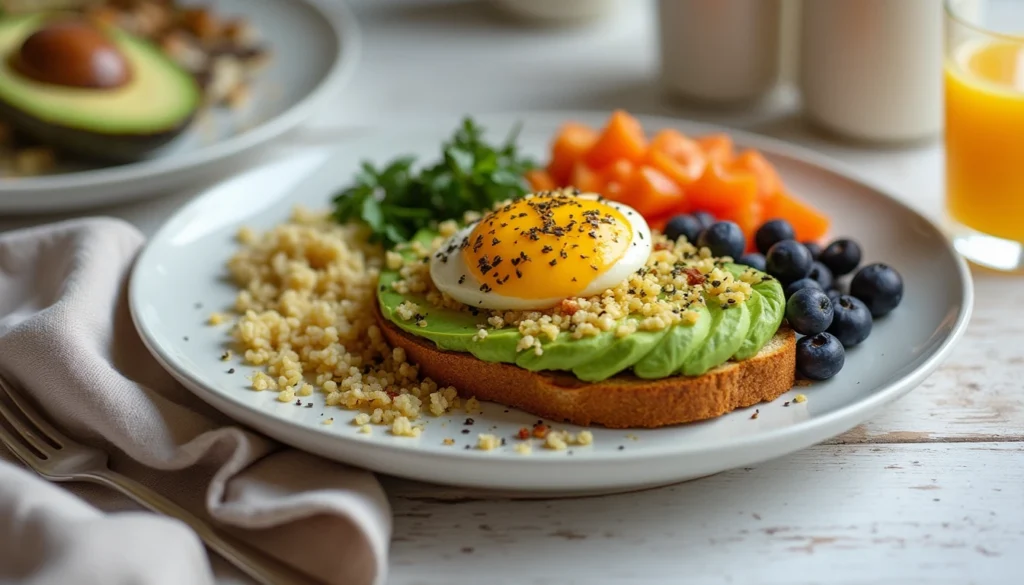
(857, 411)
(340, 19)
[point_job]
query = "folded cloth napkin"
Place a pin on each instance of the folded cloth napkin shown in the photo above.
(67, 339)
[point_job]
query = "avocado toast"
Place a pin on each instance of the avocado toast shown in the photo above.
(684, 337)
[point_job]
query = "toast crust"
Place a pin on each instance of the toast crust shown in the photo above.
(622, 401)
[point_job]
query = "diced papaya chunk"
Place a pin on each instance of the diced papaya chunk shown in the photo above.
(652, 193)
(659, 223)
(540, 180)
(621, 171)
(621, 138)
(717, 147)
(586, 179)
(616, 177)
(768, 181)
(571, 143)
(807, 222)
(721, 191)
(677, 156)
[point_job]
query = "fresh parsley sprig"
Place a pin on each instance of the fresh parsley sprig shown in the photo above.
(395, 201)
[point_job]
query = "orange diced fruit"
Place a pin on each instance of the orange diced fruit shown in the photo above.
(586, 179)
(677, 156)
(652, 193)
(621, 171)
(768, 181)
(718, 147)
(540, 180)
(807, 222)
(621, 138)
(687, 153)
(572, 141)
(720, 191)
(616, 178)
(658, 223)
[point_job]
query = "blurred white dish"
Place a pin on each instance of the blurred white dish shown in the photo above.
(314, 46)
(184, 263)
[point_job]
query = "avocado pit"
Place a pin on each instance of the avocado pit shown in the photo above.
(71, 54)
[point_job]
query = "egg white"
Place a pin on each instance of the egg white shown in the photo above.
(447, 274)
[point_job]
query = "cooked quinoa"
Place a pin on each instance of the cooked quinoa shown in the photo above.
(487, 442)
(559, 440)
(307, 289)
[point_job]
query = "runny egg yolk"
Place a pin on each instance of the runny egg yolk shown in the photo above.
(546, 246)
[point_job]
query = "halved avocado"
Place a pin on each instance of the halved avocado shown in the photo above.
(117, 124)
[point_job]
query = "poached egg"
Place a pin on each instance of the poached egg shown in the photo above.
(541, 249)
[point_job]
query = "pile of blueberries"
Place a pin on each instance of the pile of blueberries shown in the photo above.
(829, 320)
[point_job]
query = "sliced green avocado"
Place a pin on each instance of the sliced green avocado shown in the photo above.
(679, 343)
(118, 124)
(564, 352)
(620, 355)
(767, 308)
(728, 331)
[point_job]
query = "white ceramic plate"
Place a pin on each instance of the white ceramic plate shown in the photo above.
(184, 264)
(315, 46)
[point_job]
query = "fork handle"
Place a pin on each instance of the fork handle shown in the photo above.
(255, 563)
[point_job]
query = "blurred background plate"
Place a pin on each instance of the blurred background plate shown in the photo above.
(314, 47)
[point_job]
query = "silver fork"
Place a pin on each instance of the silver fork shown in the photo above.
(57, 458)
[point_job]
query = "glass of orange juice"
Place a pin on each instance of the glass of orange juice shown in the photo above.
(984, 130)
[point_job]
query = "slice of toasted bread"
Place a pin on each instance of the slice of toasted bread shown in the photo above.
(623, 401)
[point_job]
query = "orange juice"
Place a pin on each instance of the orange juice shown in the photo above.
(984, 84)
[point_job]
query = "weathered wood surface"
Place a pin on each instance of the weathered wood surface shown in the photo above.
(978, 393)
(849, 514)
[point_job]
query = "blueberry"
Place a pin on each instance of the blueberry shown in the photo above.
(819, 357)
(809, 311)
(800, 285)
(753, 260)
(821, 274)
(723, 238)
(772, 232)
(851, 321)
(788, 260)
(833, 295)
(814, 248)
(705, 219)
(879, 286)
(841, 256)
(683, 225)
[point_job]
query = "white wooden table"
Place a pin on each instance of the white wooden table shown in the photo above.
(930, 492)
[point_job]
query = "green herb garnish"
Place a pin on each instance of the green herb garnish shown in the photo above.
(396, 202)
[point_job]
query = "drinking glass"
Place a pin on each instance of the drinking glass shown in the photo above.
(984, 130)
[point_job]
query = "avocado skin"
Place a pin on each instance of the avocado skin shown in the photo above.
(107, 148)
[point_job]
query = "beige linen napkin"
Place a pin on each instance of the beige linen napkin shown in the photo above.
(66, 337)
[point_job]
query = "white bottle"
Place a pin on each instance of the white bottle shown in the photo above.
(871, 70)
(719, 51)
